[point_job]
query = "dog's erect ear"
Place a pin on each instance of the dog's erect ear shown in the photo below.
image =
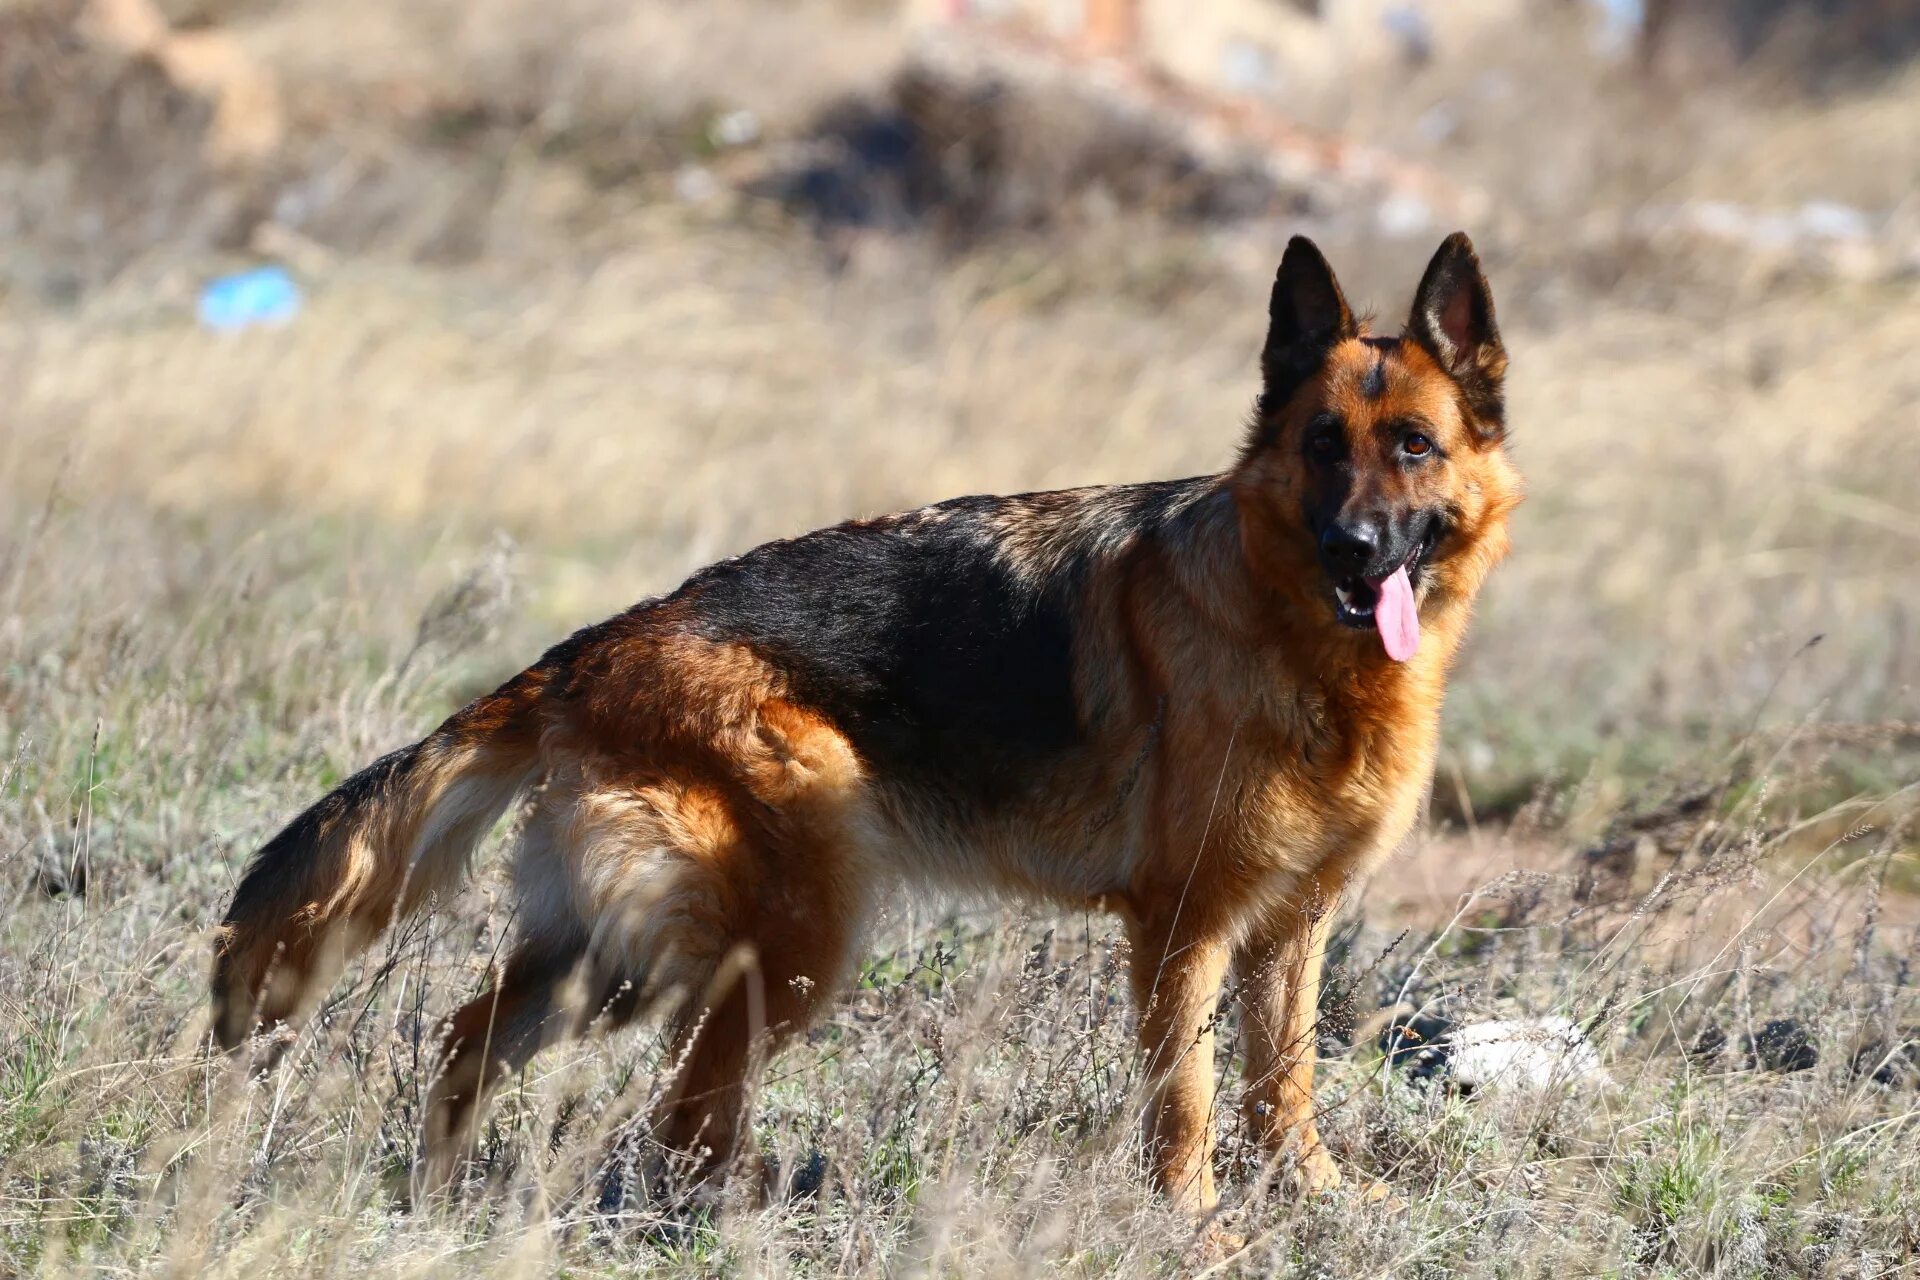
(1453, 319)
(1306, 316)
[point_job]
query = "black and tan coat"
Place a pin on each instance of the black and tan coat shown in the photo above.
(1163, 700)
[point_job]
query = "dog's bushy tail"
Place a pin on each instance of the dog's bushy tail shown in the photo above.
(368, 853)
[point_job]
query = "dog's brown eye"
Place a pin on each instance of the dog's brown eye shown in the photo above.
(1418, 446)
(1324, 444)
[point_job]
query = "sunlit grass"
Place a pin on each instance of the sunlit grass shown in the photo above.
(233, 570)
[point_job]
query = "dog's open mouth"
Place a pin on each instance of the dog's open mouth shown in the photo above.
(1386, 603)
(1358, 598)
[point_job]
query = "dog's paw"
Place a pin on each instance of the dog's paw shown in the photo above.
(1314, 1172)
(1213, 1243)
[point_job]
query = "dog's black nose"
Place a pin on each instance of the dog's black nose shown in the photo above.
(1350, 548)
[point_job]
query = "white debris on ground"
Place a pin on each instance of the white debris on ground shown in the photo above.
(1531, 1054)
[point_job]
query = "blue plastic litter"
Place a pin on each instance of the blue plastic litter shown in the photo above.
(264, 296)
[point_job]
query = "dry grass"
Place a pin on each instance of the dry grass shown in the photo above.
(230, 572)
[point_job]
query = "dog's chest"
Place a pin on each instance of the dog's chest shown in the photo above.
(1329, 798)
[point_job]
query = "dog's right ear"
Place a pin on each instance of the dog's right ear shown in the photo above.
(1306, 316)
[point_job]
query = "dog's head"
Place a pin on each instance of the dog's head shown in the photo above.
(1375, 487)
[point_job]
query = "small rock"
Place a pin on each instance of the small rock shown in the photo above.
(1403, 216)
(1709, 1044)
(1246, 67)
(695, 184)
(735, 129)
(1416, 1043)
(1893, 1065)
(1782, 1045)
(1503, 1054)
(1831, 220)
(1412, 30)
(59, 872)
(1531, 1053)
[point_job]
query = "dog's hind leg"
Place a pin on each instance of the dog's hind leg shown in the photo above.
(790, 962)
(488, 1039)
(547, 991)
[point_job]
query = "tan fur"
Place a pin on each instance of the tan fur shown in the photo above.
(707, 842)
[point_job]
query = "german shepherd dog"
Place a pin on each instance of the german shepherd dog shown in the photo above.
(1209, 705)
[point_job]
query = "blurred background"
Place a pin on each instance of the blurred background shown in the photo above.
(351, 352)
(338, 335)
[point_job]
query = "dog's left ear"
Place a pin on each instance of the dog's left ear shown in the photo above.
(1453, 319)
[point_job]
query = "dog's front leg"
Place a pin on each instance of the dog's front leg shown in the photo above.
(1278, 966)
(1176, 983)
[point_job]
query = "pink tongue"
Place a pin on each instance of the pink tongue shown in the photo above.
(1395, 615)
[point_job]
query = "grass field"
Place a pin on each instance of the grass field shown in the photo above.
(531, 386)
